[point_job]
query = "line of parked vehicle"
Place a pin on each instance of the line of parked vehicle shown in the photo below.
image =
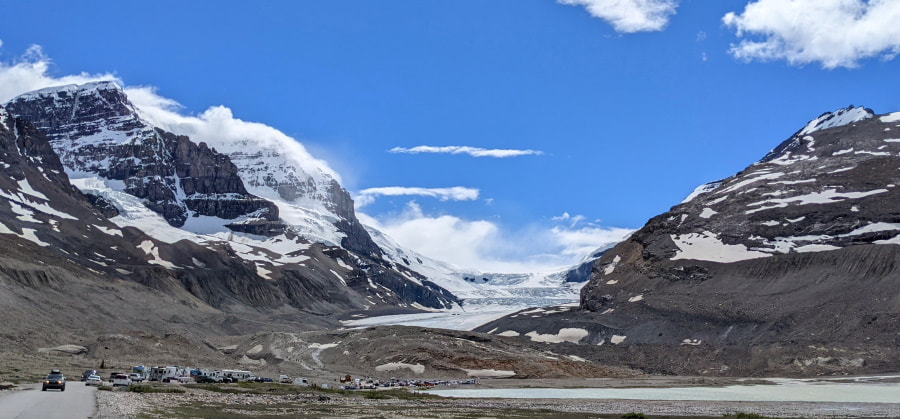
(175, 374)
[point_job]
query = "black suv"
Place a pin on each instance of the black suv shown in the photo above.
(54, 380)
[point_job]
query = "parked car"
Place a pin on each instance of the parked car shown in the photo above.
(136, 378)
(54, 380)
(120, 380)
(93, 380)
(205, 379)
(88, 373)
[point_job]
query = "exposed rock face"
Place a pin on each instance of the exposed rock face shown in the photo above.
(796, 257)
(94, 129)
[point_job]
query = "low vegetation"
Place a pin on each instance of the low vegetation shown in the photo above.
(153, 389)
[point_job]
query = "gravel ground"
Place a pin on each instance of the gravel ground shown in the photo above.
(119, 404)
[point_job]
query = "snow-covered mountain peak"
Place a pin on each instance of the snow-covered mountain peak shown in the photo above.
(837, 118)
(95, 86)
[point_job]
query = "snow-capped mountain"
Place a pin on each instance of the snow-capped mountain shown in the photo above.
(292, 223)
(791, 264)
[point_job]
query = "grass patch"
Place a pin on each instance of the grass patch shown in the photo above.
(104, 388)
(248, 388)
(152, 389)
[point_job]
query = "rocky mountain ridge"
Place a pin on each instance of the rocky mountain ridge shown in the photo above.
(789, 266)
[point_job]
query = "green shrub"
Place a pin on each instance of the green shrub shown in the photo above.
(633, 415)
(375, 395)
(104, 388)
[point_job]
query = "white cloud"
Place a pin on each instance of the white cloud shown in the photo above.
(488, 247)
(220, 129)
(629, 16)
(834, 33)
(30, 72)
(456, 193)
(216, 126)
(472, 151)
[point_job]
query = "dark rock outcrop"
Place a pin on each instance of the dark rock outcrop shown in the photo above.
(94, 129)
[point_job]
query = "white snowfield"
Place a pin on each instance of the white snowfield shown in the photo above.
(892, 117)
(836, 119)
(567, 334)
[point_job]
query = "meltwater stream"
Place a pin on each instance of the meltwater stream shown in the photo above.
(876, 389)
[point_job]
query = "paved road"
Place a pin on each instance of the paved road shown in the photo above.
(76, 402)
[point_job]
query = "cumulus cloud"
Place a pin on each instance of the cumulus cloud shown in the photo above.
(834, 33)
(629, 16)
(30, 72)
(489, 247)
(472, 151)
(456, 193)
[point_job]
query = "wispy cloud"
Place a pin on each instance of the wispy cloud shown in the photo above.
(472, 151)
(30, 72)
(629, 16)
(834, 33)
(487, 246)
(456, 193)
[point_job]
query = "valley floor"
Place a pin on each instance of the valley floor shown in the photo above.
(198, 402)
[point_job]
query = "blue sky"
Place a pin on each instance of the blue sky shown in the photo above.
(626, 108)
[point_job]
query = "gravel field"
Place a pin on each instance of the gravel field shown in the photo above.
(119, 404)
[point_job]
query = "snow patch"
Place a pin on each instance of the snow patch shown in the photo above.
(490, 373)
(26, 188)
(891, 117)
(707, 212)
(394, 366)
(109, 231)
(27, 234)
(840, 152)
(617, 339)
(612, 266)
(836, 119)
(707, 246)
(825, 197)
(636, 298)
(569, 334)
(509, 334)
(702, 189)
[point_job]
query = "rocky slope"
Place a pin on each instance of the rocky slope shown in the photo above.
(789, 266)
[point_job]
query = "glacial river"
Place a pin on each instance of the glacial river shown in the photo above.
(874, 389)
